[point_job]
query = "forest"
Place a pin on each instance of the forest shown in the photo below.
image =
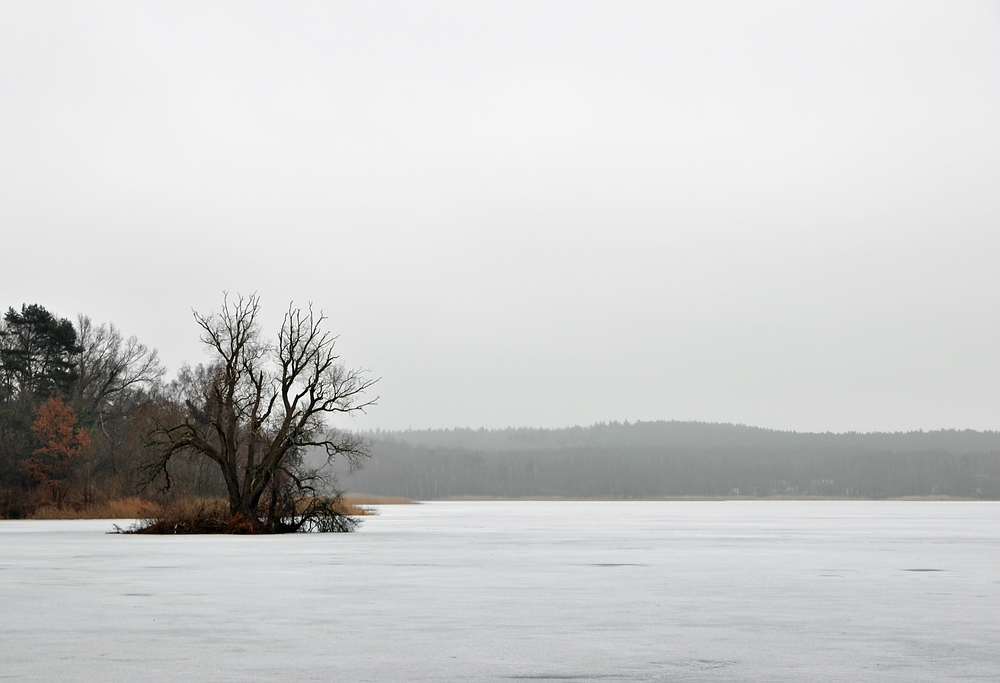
(649, 460)
(77, 403)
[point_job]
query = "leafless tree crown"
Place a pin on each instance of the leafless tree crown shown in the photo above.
(257, 408)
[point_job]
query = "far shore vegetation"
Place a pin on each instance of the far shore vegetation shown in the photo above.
(681, 460)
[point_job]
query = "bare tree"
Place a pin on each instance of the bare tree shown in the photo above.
(109, 366)
(116, 381)
(258, 407)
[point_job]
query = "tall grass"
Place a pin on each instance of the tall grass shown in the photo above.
(135, 507)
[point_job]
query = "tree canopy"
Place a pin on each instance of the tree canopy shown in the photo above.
(37, 353)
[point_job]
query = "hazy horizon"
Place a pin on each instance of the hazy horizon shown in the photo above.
(549, 214)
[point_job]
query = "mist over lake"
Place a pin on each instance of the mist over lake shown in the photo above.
(500, 591)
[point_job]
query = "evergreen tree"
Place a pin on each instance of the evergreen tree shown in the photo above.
(37, 361)
(36, 354)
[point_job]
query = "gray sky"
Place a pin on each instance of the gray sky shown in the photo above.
(546, 214)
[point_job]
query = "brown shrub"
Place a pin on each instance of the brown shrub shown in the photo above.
(212, 516)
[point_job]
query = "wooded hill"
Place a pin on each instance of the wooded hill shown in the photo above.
(678, 459)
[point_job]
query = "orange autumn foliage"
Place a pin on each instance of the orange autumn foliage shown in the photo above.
(61, 441)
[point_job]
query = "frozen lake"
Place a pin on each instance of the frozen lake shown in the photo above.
(508, 591)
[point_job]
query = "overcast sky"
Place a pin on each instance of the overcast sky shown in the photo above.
(545, 214)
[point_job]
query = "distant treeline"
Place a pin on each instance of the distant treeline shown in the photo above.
(678, 459)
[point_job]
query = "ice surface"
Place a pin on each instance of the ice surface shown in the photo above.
(501, 591)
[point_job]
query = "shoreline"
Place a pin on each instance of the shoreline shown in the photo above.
(359, 502)
(681, 499)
